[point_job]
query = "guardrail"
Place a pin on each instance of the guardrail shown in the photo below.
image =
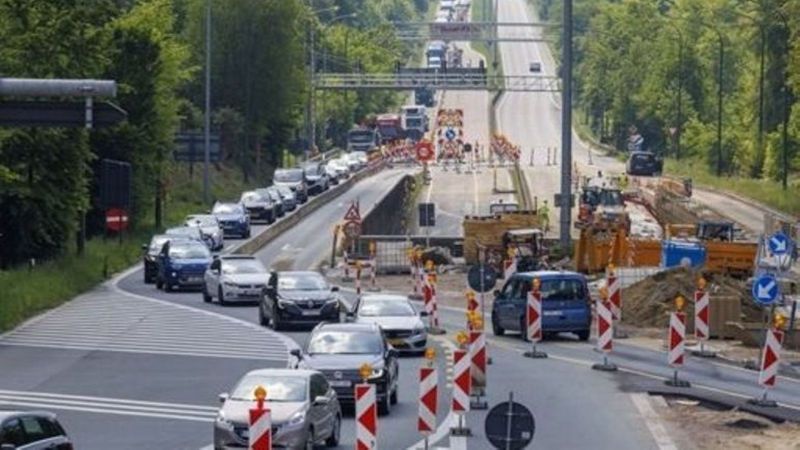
(275, 230)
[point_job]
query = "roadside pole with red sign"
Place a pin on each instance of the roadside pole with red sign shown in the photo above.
(117, 221)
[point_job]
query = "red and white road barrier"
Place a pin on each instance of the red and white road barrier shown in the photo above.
(533, 316)
(429, 297)
(770, 358)
(260, 429)
(358, 280)
(701, 315)
(605, 326)
(677, 338)
(366, 417)
(462, 381)
(428, 400)
(477, 347)
(614, 295)
(509, 268)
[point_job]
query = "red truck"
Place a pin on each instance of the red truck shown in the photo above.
(390, 127)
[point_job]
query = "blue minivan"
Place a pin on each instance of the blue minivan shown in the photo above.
(566, 303)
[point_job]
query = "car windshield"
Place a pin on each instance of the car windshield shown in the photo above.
(227, 208)
(385, 308)
(184, 231)
(201, 221)
(312, 170)
(198, 251)
(236, 266)
(361, 137)
(345, 342)
(610, 198)
(281, 388)
(268, 193)
(413, 122)
(252, 197)
(290, 176)
(642, 157)
(285, 191)
(292, 282)
(156, 243)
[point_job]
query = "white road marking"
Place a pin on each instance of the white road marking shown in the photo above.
(105, 405)
(653, 422)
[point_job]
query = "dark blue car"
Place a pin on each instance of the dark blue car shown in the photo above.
(233, 218)
(182, 264)
(566, 303)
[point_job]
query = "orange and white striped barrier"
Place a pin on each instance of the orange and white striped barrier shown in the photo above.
(260, 424)
(366, 417)
(614, 295)
(428, 400)
(701, 319)
(462, 385)
(770, 358)
(677, 343)
(477, 348)
(509, 268)
(429, 297)
(605, 334)
(373, 276)
(533, 320)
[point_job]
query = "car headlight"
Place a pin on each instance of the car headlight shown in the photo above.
(224, 422)
(376, 373)
(283, 303)
(419, 329)
(174, 274)
(296, 420)
(331, 300)
(229, 284)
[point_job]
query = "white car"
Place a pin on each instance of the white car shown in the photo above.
(235, 278)
(360, 157)
(401, 324)
(210, 227)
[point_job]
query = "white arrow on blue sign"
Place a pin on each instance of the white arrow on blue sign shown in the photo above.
(765, 289)
(450, 134)
(779, 243)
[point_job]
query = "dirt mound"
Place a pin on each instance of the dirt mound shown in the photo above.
(648, 302)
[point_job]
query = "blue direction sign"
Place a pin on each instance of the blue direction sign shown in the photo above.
(765, 289)
(779, 243)
(450, 134)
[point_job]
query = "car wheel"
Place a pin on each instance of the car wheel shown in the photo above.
(159, 284)
(583, 335)
(167, 287)
(393, 397)
(246, 234)
(497, 329)
(206, 296)
(384, 405)
(333, 439)
(220, 297)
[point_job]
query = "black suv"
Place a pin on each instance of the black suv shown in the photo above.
(338, 350)
(644, 164)
(298, 298)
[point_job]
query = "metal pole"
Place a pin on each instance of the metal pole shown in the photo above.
(719, 102)
(566, 127)
(496, 33)
(207, 118)
(511, 403)
(312, 132)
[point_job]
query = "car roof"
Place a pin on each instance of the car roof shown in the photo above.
(8, 413)
(551, 274)
(287, 372)
(385, 297)
(349, 326)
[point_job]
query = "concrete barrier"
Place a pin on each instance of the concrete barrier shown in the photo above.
(273, 231)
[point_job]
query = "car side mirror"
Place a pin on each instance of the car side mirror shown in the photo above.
(296, 353)
(321, 400)
(423, 313)
(392, 352)
(334, 288)
(223, 397)
(144, 247)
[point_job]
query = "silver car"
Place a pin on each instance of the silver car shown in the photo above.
(401, 324)
(235, 278)
(210, 227)
(32, 430)
(305, 410)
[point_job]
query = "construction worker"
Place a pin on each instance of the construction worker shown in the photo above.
(544, 214)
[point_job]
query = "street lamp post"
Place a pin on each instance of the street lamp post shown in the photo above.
(207, 109)
(565, 214)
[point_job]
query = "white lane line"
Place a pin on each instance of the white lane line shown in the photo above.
(653, 422)
(117, 412)
(48, 395)
(118, 407)
(151, 352)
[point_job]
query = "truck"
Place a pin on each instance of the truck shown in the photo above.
(601, 205)
(363, 139)
(390, 127)
(415, 121)
(424, 96)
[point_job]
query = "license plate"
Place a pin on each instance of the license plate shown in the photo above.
(397, 341)
(246, 433)
(553, 313)
(194, 279)
(252, 293)
(310, 313)
(339, 383)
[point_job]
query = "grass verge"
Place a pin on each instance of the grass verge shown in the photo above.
(768, 192)
(481, 12)
(29, 291)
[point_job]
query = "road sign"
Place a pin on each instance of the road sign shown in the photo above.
(779, 243)
(510, 426)
(116, 219)
(59, 114)
(467, 148)
(352, 214)
(474, 278)
(765, 289)
(352, 229)
(425, 151)
(450, 134)
(427, 214)
(190, 147)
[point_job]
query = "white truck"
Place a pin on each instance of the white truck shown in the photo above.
(415, 121)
